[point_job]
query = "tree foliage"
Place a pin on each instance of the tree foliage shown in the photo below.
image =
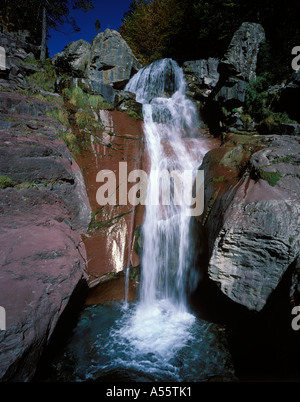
(98, 25)
(195, 29)
(18, 15)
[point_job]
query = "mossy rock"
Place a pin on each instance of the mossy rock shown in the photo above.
(271, 177)
(234, 157)
(5, 182)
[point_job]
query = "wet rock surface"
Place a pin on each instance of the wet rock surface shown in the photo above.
(109, 240)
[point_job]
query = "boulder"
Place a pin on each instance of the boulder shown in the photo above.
(241, 56)
(107, 63)
(238, 65)
(232, 92)
(126, 102)
(42, 262)
(74, 58)
(252, 216)
(219, 86)
(205, 71)
(111, 60)
(17, 50)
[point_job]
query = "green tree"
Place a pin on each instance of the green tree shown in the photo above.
(98, 25)
(56, 13)
(195, 29)
(38, 16)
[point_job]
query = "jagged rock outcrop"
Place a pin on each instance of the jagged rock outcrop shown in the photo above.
(241, 56)
(107, 63)
(74, 58)
(252, 215)
(216, 83)
(44, 209)
(111, 60)
(201, 74)
(239, 62)
(238, 65)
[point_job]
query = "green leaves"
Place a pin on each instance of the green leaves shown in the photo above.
(195, 29)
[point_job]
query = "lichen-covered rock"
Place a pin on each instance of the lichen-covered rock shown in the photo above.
(206, 71)
(241, 56)
(107, 63)
(111, 60)
(74, 58)
(238, 65)
(17, 51)
(234, 90)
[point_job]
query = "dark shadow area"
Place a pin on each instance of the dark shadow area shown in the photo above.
(62, 332)
(263, 344)
(268, 348)
(212, 116)
(211, 304)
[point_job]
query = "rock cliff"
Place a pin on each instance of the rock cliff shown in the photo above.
(44, 209)
(220, 84)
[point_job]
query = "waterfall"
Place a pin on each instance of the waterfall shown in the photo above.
(169, 117)
(157, 337)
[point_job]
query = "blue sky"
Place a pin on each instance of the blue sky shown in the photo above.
(109, 12)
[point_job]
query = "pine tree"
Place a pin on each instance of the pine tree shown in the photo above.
(56, 13)
(98, 26)
(38, 16)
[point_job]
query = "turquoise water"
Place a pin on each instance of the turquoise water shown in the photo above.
(122, 342)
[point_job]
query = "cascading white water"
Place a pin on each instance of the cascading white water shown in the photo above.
(169, 116)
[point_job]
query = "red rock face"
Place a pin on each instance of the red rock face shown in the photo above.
(41, 266)
(109, 244)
